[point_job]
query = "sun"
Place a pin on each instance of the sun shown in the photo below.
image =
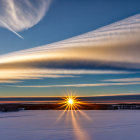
(70, 101)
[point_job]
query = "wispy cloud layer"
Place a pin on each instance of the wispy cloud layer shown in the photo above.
(18, 75)
(124, 80)
(110, 47)
(18, 15)
(115, 45)
(80, 85)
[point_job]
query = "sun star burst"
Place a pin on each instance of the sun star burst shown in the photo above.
(70, 102)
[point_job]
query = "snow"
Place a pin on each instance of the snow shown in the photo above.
(70, 125)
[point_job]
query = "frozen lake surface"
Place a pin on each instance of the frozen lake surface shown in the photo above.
(70, 125)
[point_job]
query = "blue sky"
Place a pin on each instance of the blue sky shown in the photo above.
(104, 61)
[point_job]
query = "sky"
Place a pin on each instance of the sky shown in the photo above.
(51, 47)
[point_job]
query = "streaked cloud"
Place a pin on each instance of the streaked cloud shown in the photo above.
(79, 85)
(5, 81)
(110, 47)
(19, 15)
(124, 80)
(19, 75)
(115, 45)
(10, 29)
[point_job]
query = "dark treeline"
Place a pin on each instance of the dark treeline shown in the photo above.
(17, 107)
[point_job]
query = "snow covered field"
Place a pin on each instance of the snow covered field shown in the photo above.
(71, 125)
